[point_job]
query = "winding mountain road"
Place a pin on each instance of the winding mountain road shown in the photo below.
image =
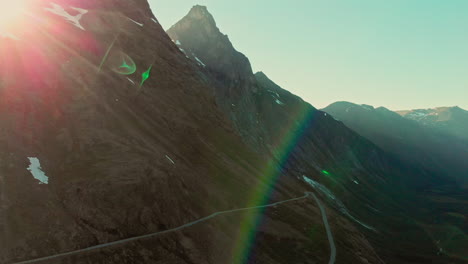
(327, 228)
(306, 195)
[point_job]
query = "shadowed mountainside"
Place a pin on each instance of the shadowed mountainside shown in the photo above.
(306, 141)
(413, 141)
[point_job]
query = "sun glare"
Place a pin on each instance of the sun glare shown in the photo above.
(11, 13)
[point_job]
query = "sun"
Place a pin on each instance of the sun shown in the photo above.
(11, 13)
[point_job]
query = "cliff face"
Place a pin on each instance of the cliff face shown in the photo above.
(198, 32)
(199, 38)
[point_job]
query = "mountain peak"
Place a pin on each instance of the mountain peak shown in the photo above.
(197, 23)
(199, 11)
(262, 75)
(198, 35)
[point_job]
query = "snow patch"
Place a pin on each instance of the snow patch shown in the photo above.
(356, 182)
(200, 62)
(167, 157)
(140, 24)
(130, 80)
(279, 102)
(417, 115)
(74, 20)
(36, 170)
(275, 93)
(154, 20)
(178, 43)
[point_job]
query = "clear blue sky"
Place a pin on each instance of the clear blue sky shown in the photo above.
(401, 54)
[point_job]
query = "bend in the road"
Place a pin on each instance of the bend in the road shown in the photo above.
(327, 228)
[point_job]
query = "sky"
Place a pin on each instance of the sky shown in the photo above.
(401, 54)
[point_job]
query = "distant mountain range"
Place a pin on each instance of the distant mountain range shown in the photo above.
(428, 138)
(451, 120)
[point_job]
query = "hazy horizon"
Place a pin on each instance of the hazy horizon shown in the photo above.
(401, 55)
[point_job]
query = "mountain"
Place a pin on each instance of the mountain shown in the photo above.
(208, 42)
(108, 132)
(304, 140)
(450, 120)
(199, 38)
(117, 148)
(420, 144)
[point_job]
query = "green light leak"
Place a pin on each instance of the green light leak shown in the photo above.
(127, 65)
(107, 52)
(325, 172)
(124, 65)
(115, 57)
(145, 75)
(125, 68)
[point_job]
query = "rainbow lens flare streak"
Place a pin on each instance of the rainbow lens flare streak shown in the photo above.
(289, 138)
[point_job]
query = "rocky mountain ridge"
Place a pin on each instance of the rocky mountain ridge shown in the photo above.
(265, 115)
(450, 120)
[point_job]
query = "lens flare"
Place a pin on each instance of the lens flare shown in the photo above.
(121, 63)
(145, 75)
(11, 13)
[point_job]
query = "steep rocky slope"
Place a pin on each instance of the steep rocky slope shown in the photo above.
(375, 186)
(198, 36)
(121, 157)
